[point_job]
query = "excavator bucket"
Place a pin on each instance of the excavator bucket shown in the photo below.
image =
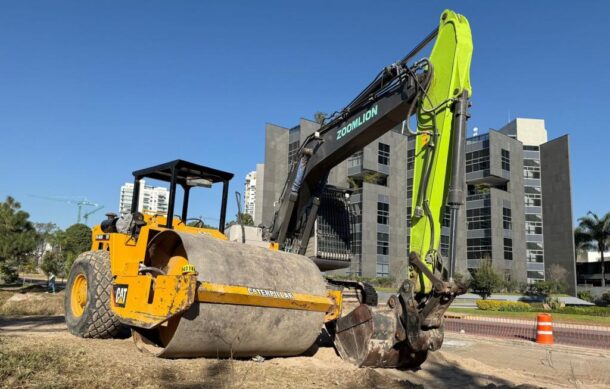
(376, 337)
(366, 338)
(398, 334)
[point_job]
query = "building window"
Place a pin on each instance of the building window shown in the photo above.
(410, 188)
(531, 148)
(355, 160)
(356, 242)
(531, 172)
(410, 159)
(408, 218)
(506, 218)
(533, 199)
(446, 222)
(505, 160)
(508, 249)
(533, 224)
(479, 248)
(478, 218)
(477, 160)
(536, 275)
(383, 213)
(293, 150)
(531, 168)
(383, 270)
(383, 157)
(445, 246)
(383, 243)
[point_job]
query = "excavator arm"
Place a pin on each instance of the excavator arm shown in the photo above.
(436, 91)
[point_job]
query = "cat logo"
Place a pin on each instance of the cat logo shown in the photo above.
(120, 295)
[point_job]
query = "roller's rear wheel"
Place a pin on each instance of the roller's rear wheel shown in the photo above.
(87, 299)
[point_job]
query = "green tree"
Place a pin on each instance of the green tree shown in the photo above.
(485, 280)
(45, 237)
(76, 240)
(246, 218)
(54, 262)
(18, 238)
(597, 231)
(582, 242)
(199, 223)
(319, 117)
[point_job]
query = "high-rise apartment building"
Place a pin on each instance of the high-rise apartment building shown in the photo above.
(518, 207)
(152, 199)
(250, 194)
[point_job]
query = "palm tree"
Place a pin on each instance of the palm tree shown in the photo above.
(582, 242)
(598, 232)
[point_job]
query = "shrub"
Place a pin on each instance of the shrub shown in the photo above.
(384, 282)
(512, 286)
(553, 302)
(605, 299)
(585, 295)
(485, 280)
(546, 288)
(8, 274)
(591, 311)
(504, 306)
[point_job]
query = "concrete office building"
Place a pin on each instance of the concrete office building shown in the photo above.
(250, 194)
(518, 212)
(378, 201)
(152, 199)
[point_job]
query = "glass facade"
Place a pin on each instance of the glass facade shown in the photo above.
(533, 214)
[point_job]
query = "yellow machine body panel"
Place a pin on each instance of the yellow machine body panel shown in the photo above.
(145, 301)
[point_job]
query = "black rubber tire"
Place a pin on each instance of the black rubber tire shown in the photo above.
(97, 321)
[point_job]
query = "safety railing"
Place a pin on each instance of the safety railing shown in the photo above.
(595, 336)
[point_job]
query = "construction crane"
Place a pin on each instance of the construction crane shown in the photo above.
(79, 204)
(86, 215)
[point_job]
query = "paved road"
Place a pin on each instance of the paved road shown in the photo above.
(576, 335)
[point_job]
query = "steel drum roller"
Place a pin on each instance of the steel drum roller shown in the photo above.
(225, 330)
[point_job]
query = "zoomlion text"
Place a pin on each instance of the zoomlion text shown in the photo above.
(365, 117)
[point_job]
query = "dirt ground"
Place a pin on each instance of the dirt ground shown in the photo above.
(37, 351)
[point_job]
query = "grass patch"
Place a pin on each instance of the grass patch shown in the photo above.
(5, 296)
(20, 367)
(568, 318)
(32, 304)
(386, 289)
(44, 365)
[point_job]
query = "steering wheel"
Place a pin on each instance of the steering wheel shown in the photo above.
(199, 222)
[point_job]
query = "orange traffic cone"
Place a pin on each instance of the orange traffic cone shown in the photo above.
(544, 329)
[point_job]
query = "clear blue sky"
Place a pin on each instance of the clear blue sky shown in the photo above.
(90, 91)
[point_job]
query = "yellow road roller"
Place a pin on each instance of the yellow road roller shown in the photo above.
(187, 291)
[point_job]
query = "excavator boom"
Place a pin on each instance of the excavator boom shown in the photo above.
(436, 90)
